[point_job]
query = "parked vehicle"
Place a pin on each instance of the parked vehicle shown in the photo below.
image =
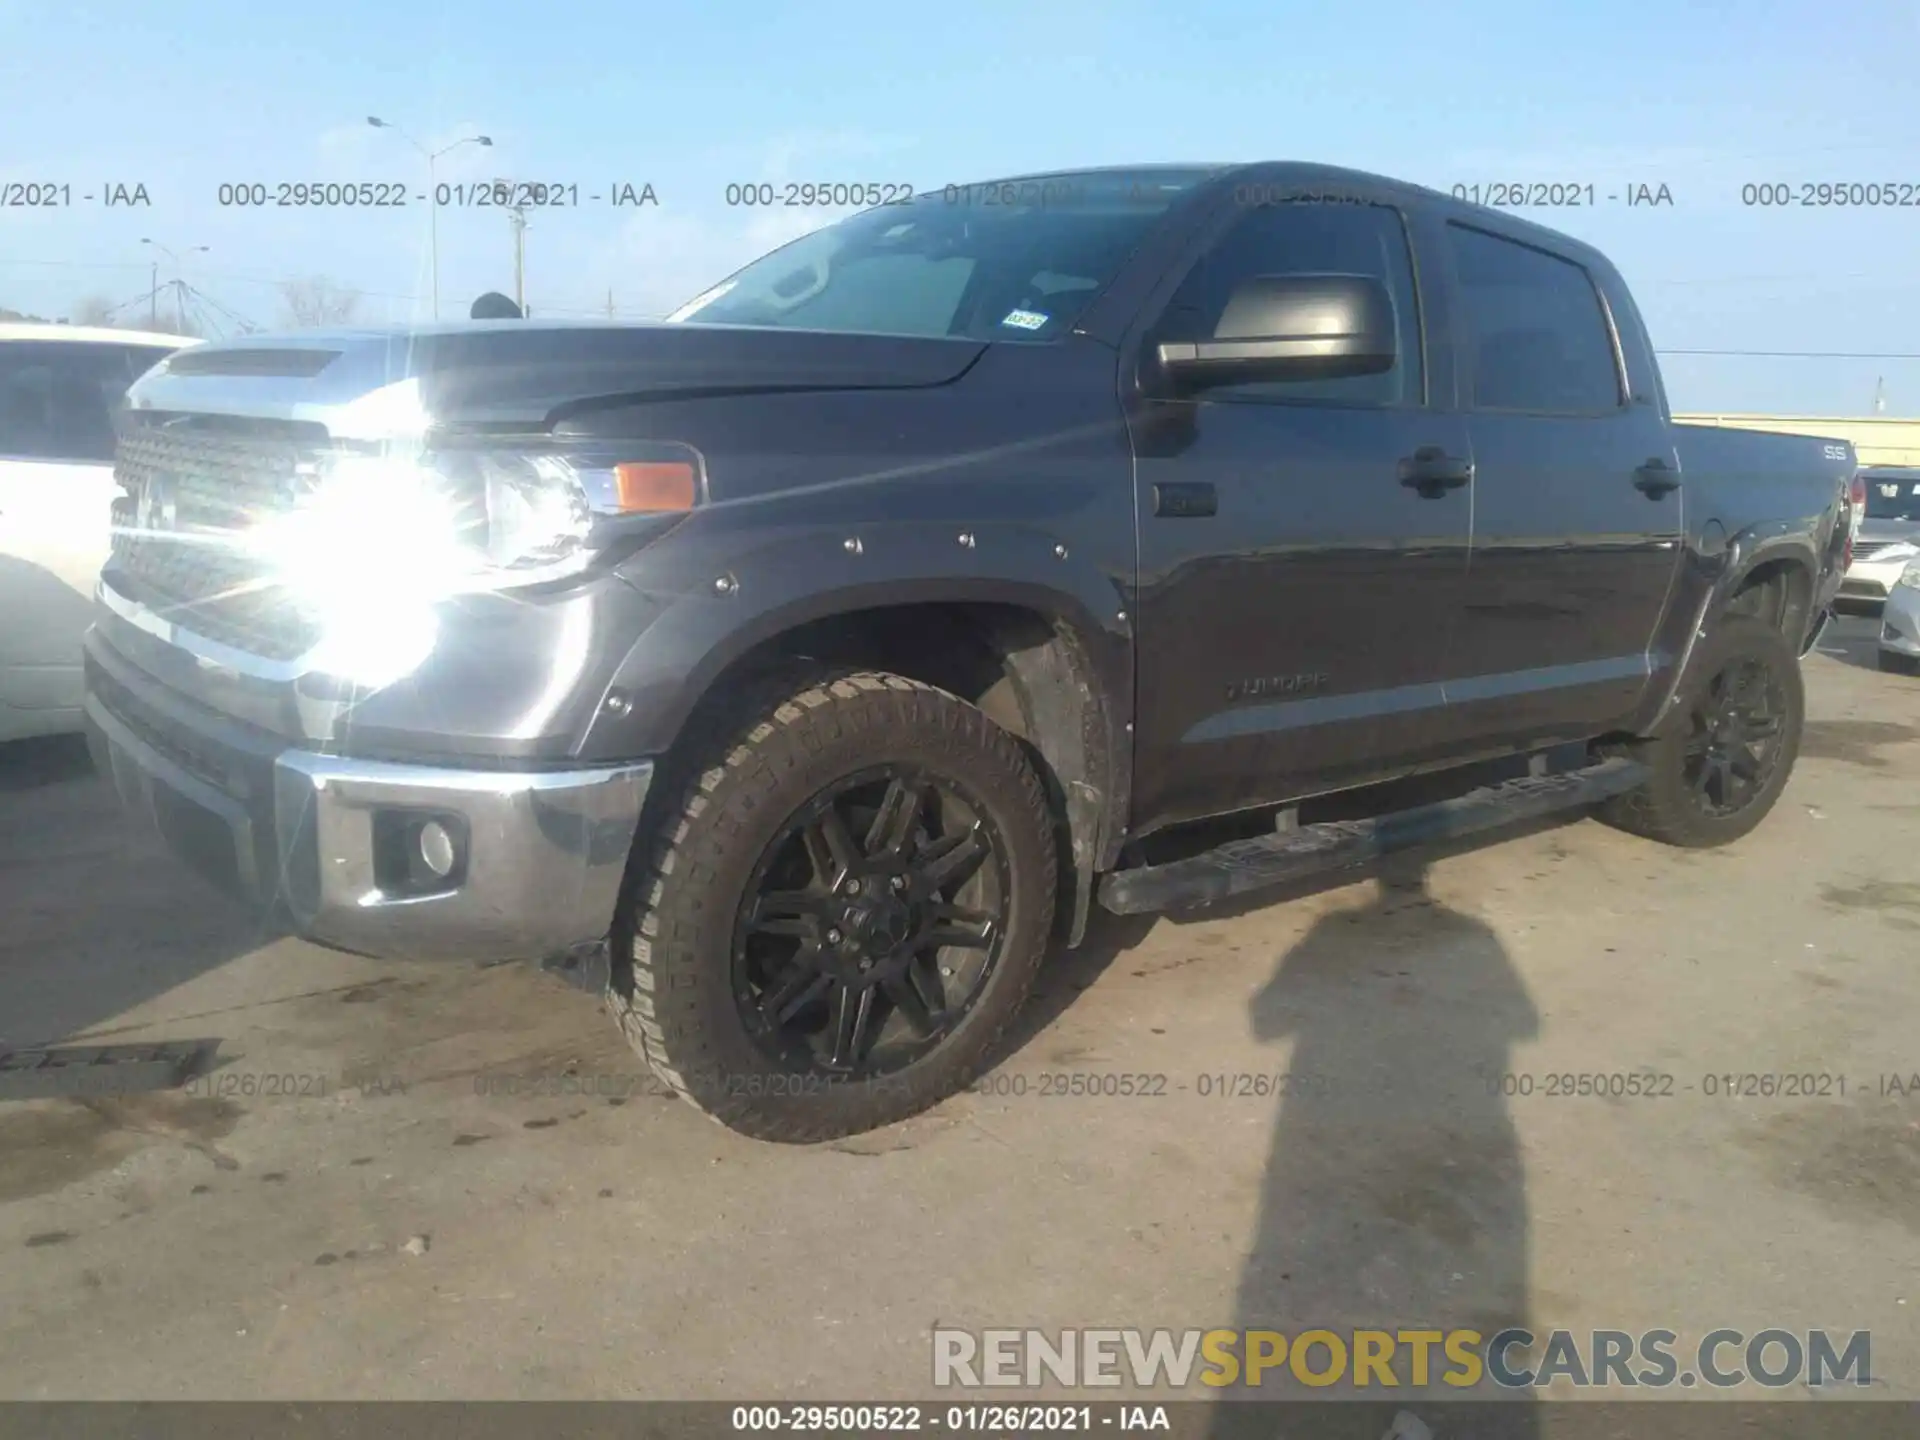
(1900, 623)
(807, 658)
(59, 386)
(1888, 537)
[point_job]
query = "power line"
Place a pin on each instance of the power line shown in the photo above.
(1802, 354)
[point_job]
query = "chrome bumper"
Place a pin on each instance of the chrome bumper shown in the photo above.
(321, 841)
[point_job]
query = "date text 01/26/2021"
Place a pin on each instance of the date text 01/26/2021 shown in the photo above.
(1563, 194)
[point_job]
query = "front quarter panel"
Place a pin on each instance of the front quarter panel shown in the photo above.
(1011, 486)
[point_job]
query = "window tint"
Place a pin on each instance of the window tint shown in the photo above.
(1304, 237)
(1536, 335)
(57, 397)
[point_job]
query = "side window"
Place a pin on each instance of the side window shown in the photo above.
(57, 397)
(1306, 237)
(1536, 334)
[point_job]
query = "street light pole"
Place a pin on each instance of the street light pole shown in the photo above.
(433, 195)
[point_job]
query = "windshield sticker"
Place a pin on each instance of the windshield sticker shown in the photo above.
(1025, 319)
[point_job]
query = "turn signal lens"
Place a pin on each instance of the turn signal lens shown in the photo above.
(652, 487)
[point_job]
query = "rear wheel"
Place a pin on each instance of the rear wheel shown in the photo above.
(1721, 761)
(846, 912)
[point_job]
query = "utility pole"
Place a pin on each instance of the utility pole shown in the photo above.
(610, 302)
(180, 285)
(517, 217)
(1880, 395)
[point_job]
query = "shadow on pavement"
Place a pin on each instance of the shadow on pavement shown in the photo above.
(97, 918)
(1852, 639)
(1394, 1197)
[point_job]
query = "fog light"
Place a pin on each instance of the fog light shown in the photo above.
(436, 848)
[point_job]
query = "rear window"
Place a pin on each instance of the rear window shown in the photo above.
(1893, 497)
(1537, 335)
(57, 397)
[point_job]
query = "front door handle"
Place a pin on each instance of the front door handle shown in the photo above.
(1656, 478)
(1184, 499)
(1433, 472)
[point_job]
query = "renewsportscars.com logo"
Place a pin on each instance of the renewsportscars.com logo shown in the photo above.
(1514, 1359)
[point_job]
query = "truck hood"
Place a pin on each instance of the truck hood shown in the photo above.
(517, 374)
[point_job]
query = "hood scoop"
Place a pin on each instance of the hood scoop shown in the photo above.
(279, 364)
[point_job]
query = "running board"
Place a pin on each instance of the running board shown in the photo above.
(1241, 866)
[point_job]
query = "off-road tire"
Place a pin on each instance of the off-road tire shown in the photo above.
(775, 748)
(1662, 808)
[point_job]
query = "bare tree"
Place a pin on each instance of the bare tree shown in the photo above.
(95, 310)
(317, 301)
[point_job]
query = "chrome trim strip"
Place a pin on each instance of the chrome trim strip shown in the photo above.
(1406, 699)
(206, 651)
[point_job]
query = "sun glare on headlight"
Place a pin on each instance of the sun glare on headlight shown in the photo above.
(381, 540)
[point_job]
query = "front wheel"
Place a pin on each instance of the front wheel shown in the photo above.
(1721, 760)
(845, 913)
(1892, 662)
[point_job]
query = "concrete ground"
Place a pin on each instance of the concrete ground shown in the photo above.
(393, 1229)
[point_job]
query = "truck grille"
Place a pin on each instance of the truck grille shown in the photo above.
(202, 490)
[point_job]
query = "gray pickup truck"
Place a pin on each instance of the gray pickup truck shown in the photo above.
(810, 660)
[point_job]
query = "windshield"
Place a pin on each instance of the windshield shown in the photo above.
(1891, 497)
(1009, 260)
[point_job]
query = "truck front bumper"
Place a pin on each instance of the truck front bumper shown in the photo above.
(522, 864)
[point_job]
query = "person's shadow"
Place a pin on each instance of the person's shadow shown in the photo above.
(1394, 1196)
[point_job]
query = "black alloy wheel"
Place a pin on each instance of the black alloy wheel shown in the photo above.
(1718, 766)
(840, 909)
(871, 925)
(1734, 737)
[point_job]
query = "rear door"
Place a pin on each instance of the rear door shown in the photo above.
(1297, 587)
(56, 497)
(1578, 504)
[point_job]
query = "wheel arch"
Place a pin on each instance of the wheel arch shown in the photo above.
(1033, 667)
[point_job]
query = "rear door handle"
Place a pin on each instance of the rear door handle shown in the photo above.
(1184, 499)
(1433, 472)
(1656, 478)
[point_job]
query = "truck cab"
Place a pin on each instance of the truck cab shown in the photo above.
(801, 666)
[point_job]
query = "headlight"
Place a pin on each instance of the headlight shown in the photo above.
(1910, 576)
(376, 541)
(453, 522)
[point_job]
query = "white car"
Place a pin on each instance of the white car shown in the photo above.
(59, 385)
(1900, 623)
(1887, 535)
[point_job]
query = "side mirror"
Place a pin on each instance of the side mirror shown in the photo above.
(1291, 327)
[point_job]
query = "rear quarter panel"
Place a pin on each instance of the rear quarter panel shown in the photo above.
(1753, 499)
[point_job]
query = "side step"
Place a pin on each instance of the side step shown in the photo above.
(1241, 866)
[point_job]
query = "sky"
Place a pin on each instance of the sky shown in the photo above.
(185, 97)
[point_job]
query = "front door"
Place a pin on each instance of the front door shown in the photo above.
(1302, 544)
